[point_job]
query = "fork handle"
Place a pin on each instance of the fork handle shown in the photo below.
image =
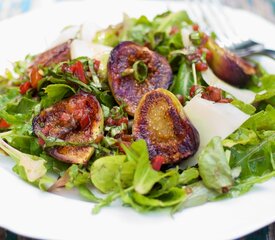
(269, 53)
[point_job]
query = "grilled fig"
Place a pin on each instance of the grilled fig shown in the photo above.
(162, 123)
(77, 121)
(54, 55)
(134, 70)
(228, 66)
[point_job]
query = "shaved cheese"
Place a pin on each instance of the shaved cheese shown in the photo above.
(212, 119)
(81, 48)
(185, 32)
(244, 95)
(66, 34)
(88, 30)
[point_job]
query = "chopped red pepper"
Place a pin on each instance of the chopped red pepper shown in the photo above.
(122, 120)
(193, 90)
(35, 77)
(116, 122)
(24, 87)
(196, 27)
(41, 142)
(201, 66)
(96, 65)
(157, 162)
(174, 30)
(215, 94)
(78, 70)
(4, 124)
(207, 52)
(126, 137)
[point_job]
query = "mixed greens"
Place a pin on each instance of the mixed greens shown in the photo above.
(151, 112)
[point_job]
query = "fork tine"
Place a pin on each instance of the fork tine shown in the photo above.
(226, 23)
(212, 17)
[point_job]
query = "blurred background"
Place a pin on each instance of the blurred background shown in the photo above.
(264, 8)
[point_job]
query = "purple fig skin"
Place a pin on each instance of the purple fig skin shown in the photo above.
(161, 122)
(125, 88)
(78, 119)
(228, 66)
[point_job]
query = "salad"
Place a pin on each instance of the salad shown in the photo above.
(151, 112)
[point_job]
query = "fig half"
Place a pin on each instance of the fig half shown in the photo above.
(162, 123)
(134, 70)
(77, 120)
(228, 66)
(52, 56)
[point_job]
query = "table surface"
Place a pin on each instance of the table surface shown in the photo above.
(265, 8)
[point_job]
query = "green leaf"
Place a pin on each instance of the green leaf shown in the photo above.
(78, 176)
(171, 197)
(214, 168)
(263, 120)
(30, 167)
(241, 136)
(183, 81)
(244, 186)
(188, 175)
(55, 93)
(104, 170)
(197, 194)
(254, 160)
(24, 143)
(172, 19)
(268, 81)
(245, 107)
(145, 176)
(87, 194)
(10, 95)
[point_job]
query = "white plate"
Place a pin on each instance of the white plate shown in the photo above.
(30, 212)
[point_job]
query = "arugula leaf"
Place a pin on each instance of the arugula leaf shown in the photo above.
(268, 84)
(245, 107)
(214, 167)
(243, 186)
(241, 136)
(9, 96)
(254, 160)
(183, 81)
(263, 120)
(55, 93)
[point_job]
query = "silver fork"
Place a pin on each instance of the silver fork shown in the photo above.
(212, 17)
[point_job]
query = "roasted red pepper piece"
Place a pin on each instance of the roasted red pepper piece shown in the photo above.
(78, 71)
(157, 162)
(24, 87)
(4, 124)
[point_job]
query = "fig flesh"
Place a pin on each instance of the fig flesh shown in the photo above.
(134, 70)
(228, 66)
(77, 120)
(162, 123)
